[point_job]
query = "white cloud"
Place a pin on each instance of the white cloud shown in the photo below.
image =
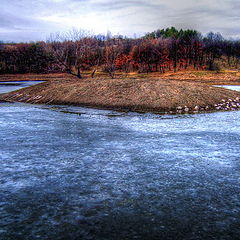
(126, 16)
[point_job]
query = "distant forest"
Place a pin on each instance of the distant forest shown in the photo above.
(159, 51)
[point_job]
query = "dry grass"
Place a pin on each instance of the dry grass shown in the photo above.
(225, 77)
(132, 93)
(35, 77)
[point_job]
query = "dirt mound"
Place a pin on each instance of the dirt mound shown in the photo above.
(155, 95)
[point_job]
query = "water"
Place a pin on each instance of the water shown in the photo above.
(12, 86)
(78, 173)
(237, 88)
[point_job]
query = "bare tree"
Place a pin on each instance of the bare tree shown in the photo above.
(72, 49)
(111, 53)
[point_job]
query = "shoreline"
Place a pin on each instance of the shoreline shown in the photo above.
(160, 96)
(226, 77)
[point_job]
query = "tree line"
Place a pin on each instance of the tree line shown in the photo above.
(159, 51)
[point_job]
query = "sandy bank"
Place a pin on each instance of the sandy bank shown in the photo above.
(154, 95)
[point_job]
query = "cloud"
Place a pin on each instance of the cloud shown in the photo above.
(36, 19)
(11, 22)
(108, 5)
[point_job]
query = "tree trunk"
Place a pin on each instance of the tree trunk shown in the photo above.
(175, 65)
(79, 73)
(92, 74)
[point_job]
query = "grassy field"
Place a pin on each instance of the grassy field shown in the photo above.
(224, 77)
(134, 92)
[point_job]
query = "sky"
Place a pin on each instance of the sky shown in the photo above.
(34, 20)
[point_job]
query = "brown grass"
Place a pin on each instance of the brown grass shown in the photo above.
(35, 77)
(136, 94)
(225, 77)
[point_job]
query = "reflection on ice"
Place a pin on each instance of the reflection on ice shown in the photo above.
(101, 174)
(12, 86)
(231, 87)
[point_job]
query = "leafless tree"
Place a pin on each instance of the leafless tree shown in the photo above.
(73, 49)
(111, 52)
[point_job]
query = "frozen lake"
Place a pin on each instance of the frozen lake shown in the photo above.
(78, 173)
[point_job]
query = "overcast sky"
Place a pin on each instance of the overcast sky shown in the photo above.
(31, 20)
